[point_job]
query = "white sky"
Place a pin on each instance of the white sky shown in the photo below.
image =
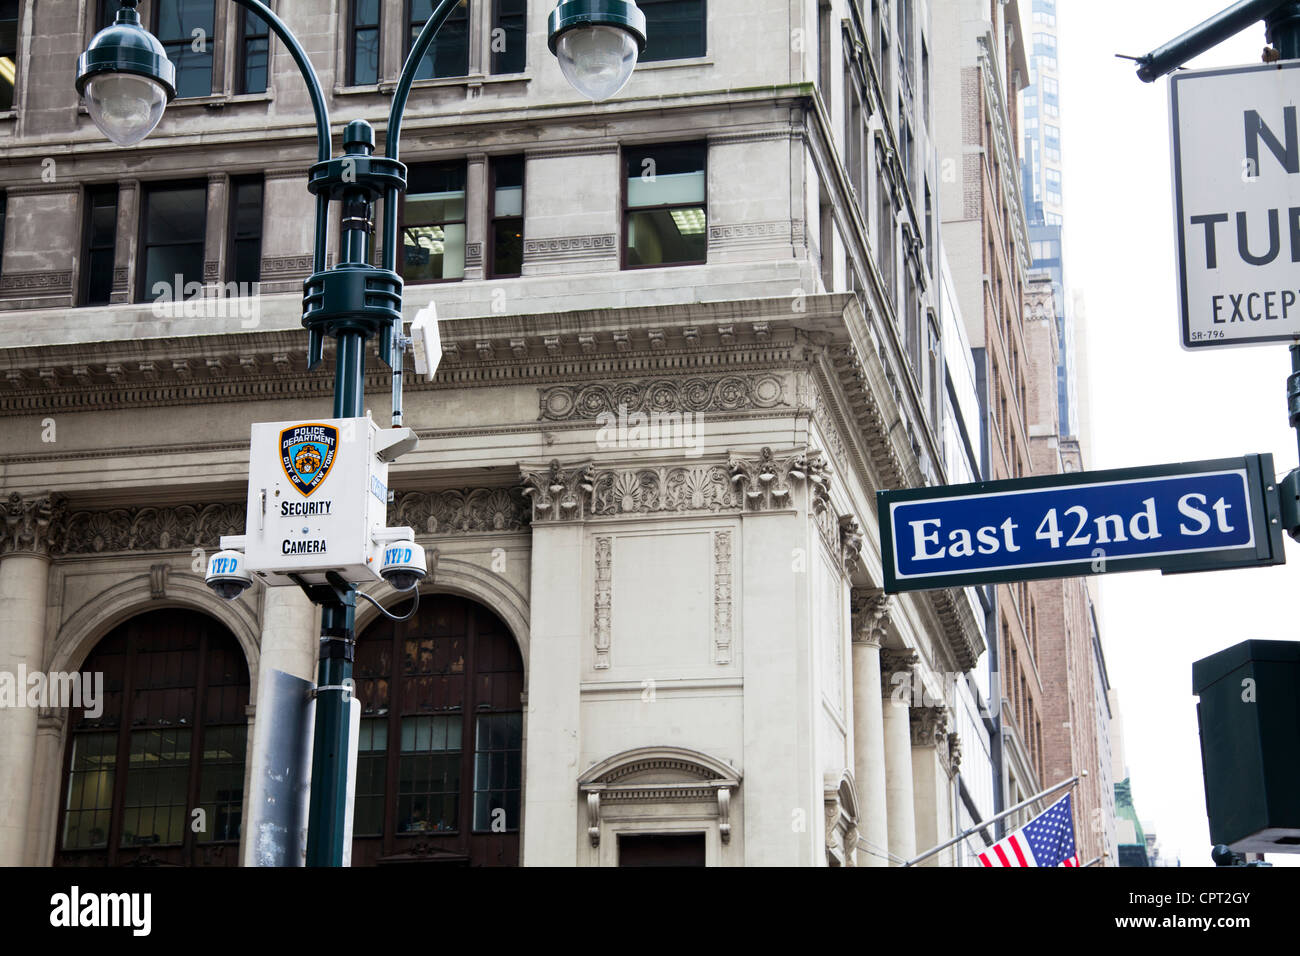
(1152, 402)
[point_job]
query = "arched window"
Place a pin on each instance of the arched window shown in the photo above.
(439, 774)
(168, 739)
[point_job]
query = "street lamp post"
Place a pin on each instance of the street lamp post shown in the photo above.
(126, 81)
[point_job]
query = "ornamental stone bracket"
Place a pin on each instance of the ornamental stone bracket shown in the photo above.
(559, 492)
(870, 609)
(33, 525)
(851, 538)
(766, 481)
(658, 775)
(840, 802)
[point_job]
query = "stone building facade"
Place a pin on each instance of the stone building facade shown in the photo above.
(647, 467)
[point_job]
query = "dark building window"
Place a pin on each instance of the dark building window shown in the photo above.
(509, 40)
(244, 264)
(171, 739)
(363, 50)
(100, 242)
(449, 54)
(254, 51)
(8, 52)
(674, 29)
(433, 223)
(440, 759)
(506, 256)
(173, 227)
(185, 29)
(664, 215)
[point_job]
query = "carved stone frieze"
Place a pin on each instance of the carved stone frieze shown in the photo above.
(559, 493)
(33, 525)
(461, 511)
(680, 488)
(724, 393)
(151, 529)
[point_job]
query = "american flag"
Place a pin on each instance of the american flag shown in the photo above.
(1046, 840)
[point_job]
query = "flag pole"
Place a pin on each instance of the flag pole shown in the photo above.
(994, 819)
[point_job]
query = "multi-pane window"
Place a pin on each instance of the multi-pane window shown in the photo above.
(1052, 142)
(498, 747)
(99, 245)
(173, 228)
(8, 52)
(244, 262)
(1045, 50)
(439, 773)
(363, 47)
(433, 223)
(674, 29)
(506, 232)
(665, 219)
(1053, 178)
(449, 53)
(509, 38)
(428, 774)
(254, 50)
(185, 28)
(169, 742)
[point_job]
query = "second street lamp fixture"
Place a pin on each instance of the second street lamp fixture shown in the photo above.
(125, 78)
(597, 43)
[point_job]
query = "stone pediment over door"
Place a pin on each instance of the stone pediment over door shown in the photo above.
(658, 775)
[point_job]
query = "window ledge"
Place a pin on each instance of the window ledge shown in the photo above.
(215, 101)
(673, 64)
(8, 116)
(387, 87)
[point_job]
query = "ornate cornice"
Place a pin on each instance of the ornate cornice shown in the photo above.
(33, 525)
(961, 631)
(558, 492)
(461, 511)
(714, 393)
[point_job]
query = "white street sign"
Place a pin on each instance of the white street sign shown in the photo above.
(1237, 203)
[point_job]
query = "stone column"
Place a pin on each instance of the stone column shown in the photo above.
(289, 643)
(215, 239)
(552, 721)
(898, 752)
(931, 780)
(31, 527)
(128, 209)
(870, 621)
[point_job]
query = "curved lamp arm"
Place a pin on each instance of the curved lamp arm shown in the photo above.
(393, 136)
(324, 148)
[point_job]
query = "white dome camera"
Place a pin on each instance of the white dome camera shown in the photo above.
(227, 574)
(404, 565)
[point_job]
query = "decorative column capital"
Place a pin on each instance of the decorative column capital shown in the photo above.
(766, 481)
(930, 727)
(871, 609)
(32, 524)
(898, 673)
(559, 492)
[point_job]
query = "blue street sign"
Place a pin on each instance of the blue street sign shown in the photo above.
(1196, 516)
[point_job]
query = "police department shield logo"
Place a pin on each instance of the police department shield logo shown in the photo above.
(307, 454)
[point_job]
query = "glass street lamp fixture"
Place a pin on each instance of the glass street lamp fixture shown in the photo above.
(597, 43)
(125, 78)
